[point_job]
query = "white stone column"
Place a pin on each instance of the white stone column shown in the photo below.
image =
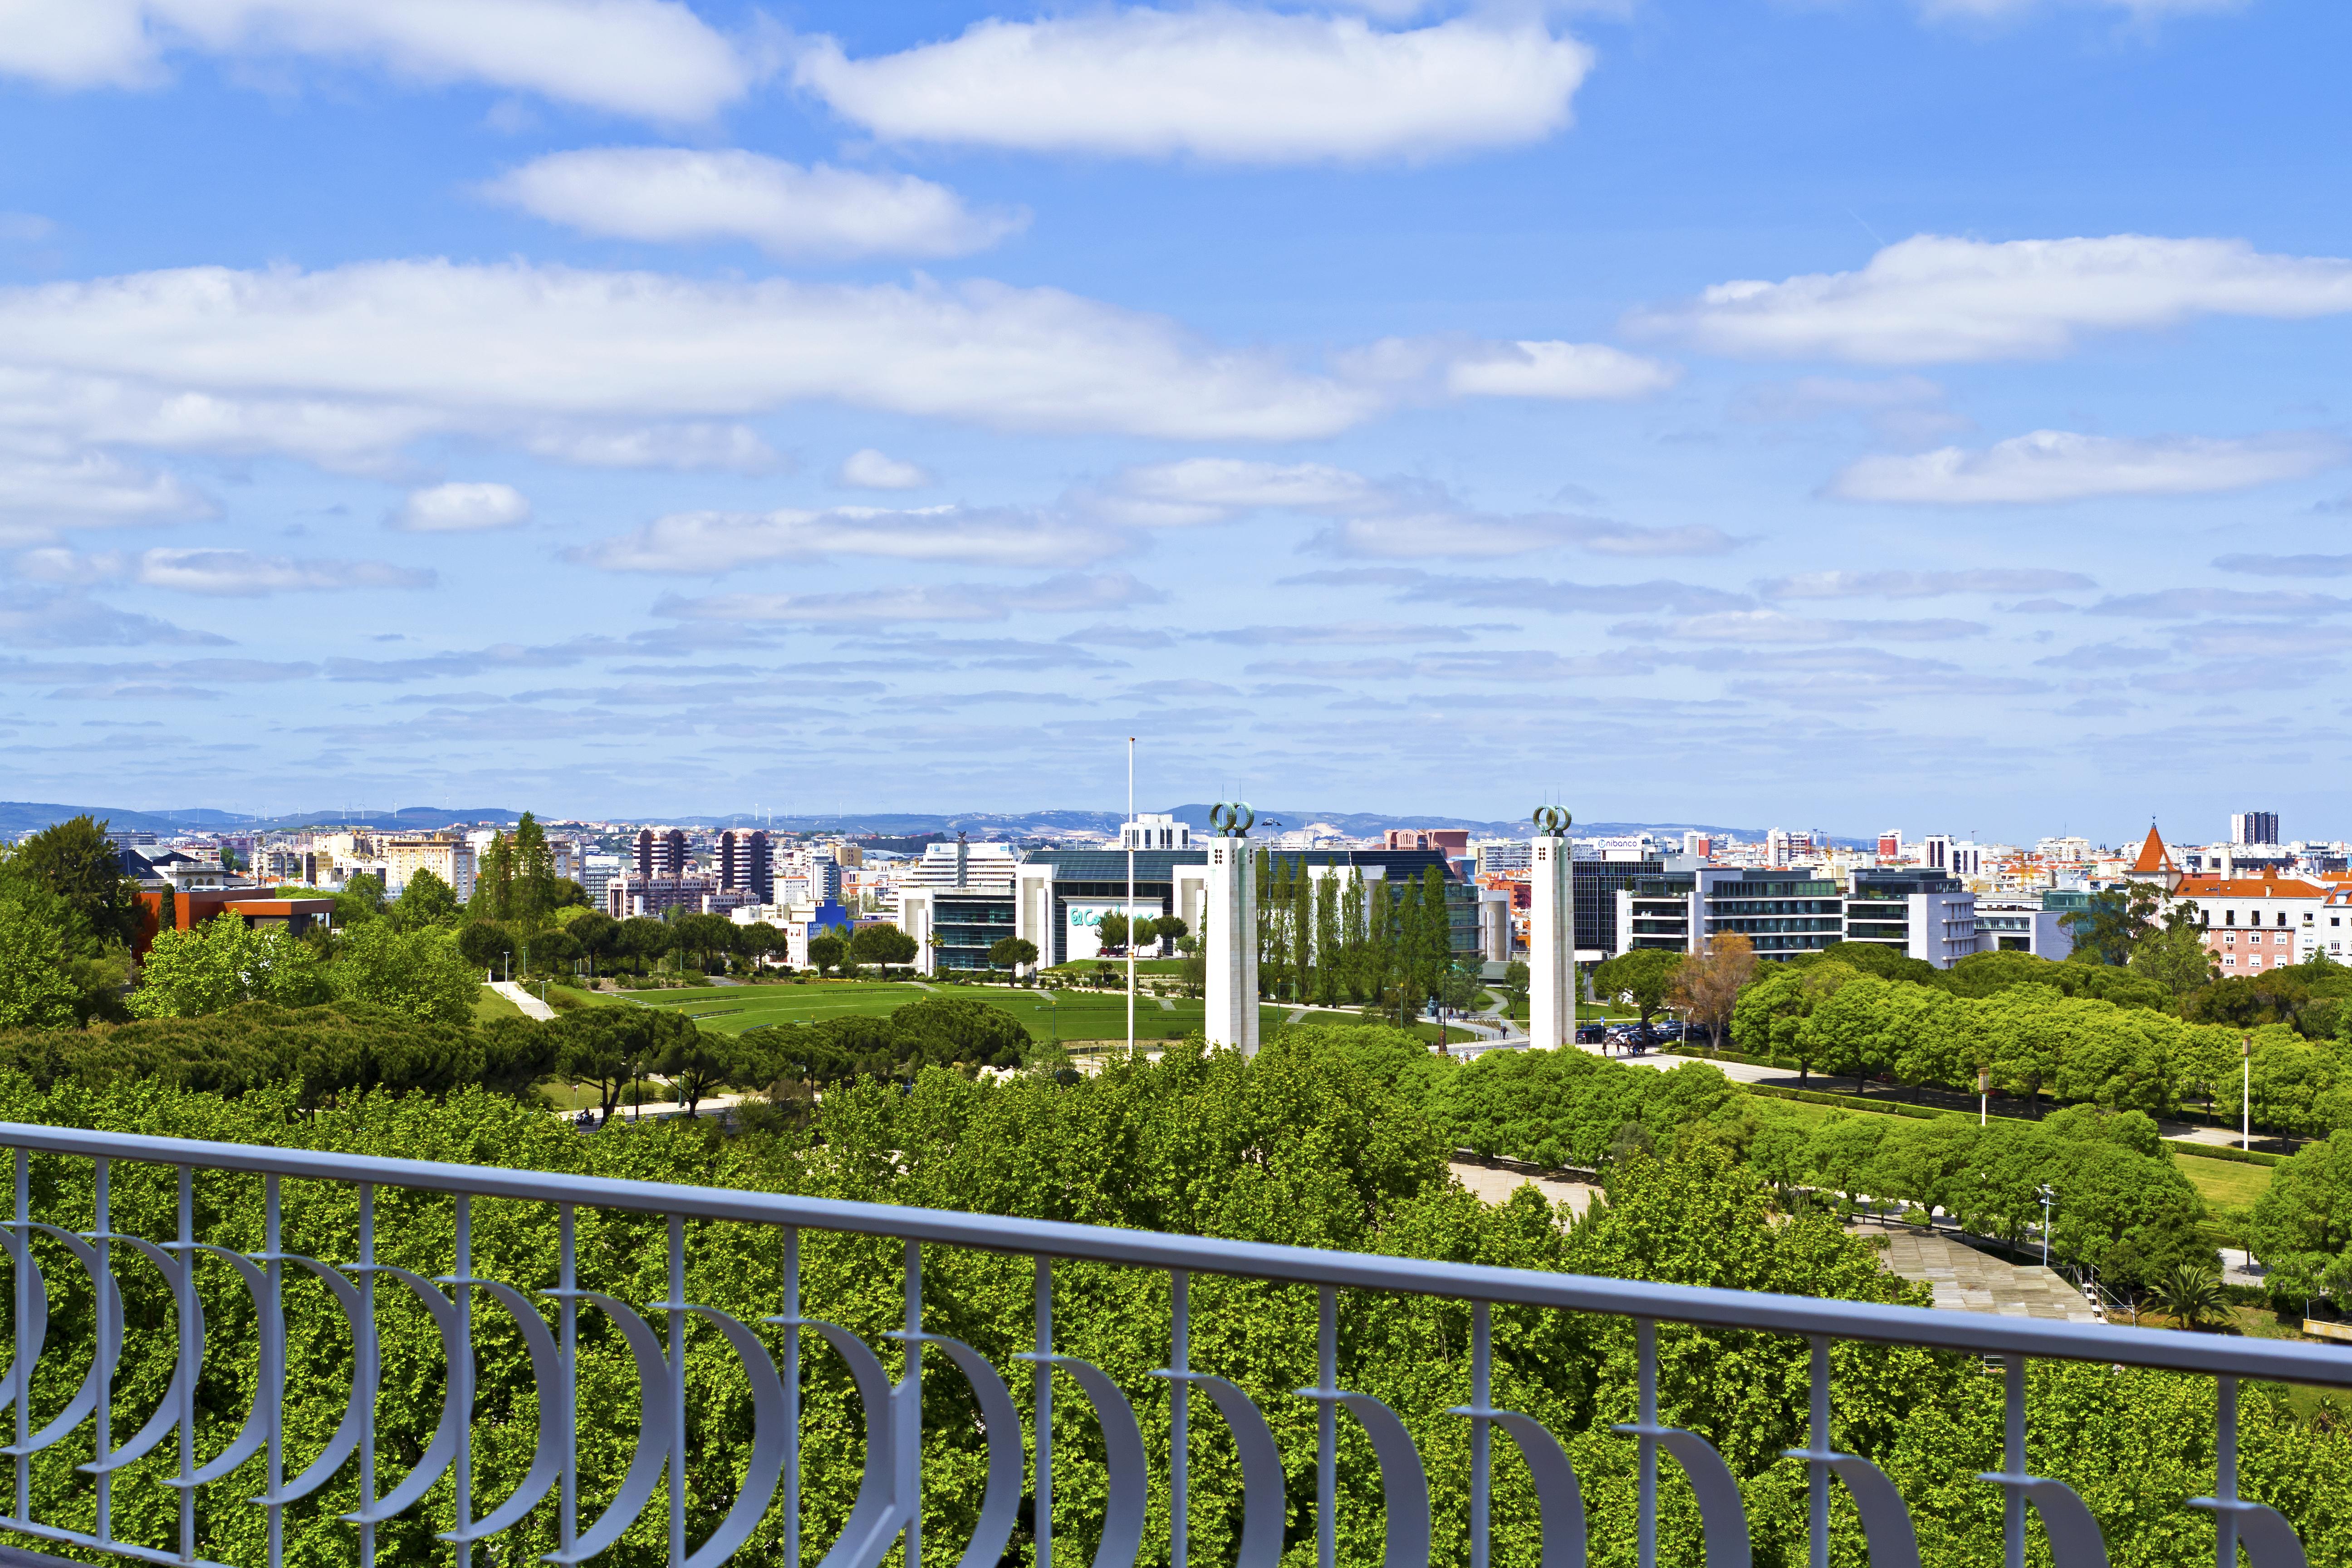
(1551, 944)
(1230, 916)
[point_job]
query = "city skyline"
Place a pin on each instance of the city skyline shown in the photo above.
(1453, 408)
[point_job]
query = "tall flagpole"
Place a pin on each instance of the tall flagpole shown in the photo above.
(1128, 834)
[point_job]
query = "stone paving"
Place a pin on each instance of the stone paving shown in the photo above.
(1492, 1186)
(1967, 1280)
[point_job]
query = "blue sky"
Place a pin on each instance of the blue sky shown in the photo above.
(1845, 414)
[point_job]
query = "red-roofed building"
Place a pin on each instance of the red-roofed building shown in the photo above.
(2155, 863)
(2255, 924)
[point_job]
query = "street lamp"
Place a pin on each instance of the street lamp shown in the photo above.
(2047, 1198)
(1984, 1093)
(2246, 1087)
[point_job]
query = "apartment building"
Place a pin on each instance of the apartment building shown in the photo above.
(2255, 923)
(447, 856)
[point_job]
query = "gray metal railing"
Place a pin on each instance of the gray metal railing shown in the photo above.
(887, 1510)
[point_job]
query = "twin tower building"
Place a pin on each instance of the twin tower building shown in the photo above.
(1231, 938)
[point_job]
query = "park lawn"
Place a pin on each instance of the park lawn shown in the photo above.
(488, 1005)
(2224, 1183)
(1071, 1016)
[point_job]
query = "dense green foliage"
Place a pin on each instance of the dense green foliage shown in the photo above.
(67, 918)
(938, 1031)
(1317, 1142)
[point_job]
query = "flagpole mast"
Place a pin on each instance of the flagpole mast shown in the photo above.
(1127, 832)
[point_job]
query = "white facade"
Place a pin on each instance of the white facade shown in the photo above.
(1155, 830)
(1551, 935)
(449, 859)
(1230, 923)
(2023, 925)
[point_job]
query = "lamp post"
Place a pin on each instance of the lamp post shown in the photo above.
(2246, 1088)
(1984, 1094)
(1128, 834)
(2047, 1198)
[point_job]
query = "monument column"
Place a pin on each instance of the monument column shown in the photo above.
(1551, 932)
(1229, 913)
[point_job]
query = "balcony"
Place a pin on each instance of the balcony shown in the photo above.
(628, 1415)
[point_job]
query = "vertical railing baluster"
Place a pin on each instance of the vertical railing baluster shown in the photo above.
(911, 1433)
(2012, 1510)
(462, 1370)
(677, 1391)
(1481, 1439)
(567, 1517)
(1818, 1482)
(793, 1396)
(1180, 1362)
(1327, 1430)
(102, 1427)
(24, 1314)
(2225, 1472)
(1645, 1354)
(364, 1354)
(1043, 1490)
(187, 1315)
(273, 1365)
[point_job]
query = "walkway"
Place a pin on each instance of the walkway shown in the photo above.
(1964, 1280)
(1496, 1187)
(532, 1007)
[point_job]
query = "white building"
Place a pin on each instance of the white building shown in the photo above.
(446, 856)
(1155, 830)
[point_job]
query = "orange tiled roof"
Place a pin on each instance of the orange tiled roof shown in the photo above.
(2251, 888)
(2153, 856)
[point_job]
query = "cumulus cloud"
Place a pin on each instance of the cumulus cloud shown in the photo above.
(35, 618)
(44, 488)
(2187, 603)
(709, 542)
(1561, 370)
(240, 574)
(867, 469)
(950, 602)
(1778, 627)
(678, 195)
(652, 58)
(1409, 535)
(462, 507)
(1219, 83)
(736, 448)
(1935, 299)
(1922, 584)
(2286, 565)
(2060, 465)
(1414, 586)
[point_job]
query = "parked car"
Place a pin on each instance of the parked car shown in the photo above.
(1592, 1035)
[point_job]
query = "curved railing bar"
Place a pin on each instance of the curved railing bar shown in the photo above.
(547, 1457)
(101, 1365)
(1721, 1512)
(1559, 1501)
(37, 1317)
(1404, 1484)
(167, 1414)
(255, 1429)
(653, 1428)
(1976, 1332)
(768, 1439)
(1263, 1503)
(875, 1518)
(1129, 1480)
(347, 1431)
(444, 1446)
(1000, 1501)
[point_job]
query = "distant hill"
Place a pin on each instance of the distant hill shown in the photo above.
(18, 817)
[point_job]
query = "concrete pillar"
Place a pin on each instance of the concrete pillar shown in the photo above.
(1551, 944)
(1230, 916)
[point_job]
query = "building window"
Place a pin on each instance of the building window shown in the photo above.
(2230, 963)
(2231, 937)
(2230, 917)
(2282, 919)
(2280, 940)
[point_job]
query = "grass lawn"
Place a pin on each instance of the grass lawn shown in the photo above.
(1071, 1016)
(489, 1005)
(2224, 1182)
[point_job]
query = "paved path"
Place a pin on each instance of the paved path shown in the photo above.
(1492, 1186)
(532, 1007)
(1966, 1280)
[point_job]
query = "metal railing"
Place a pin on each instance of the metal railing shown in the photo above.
(887, 1509)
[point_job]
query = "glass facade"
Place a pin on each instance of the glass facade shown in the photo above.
(968, 925)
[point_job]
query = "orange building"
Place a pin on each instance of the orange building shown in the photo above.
(191, 907)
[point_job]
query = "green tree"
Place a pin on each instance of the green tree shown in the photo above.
(360, 901)
(882, 944)
(2114, 923)
(827, 949)
(2173, 955)
(705, 935)
(74, 861)
(419, 974)
(1011, 952)
(426, 901)
(1515, 983)
(36, 991)
(644, 939)
(1111, 931)
(697, 1065)
(220, 963)
(485, 945)
(599, 936)
(1641, 977)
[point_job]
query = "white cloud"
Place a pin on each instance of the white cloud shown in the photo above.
(45, 489)
(952, 602)
(461, 507)
(2060, 465)
(683, 195)
(25, 228)
(1219, 82)
(1410, 535)
(1997, 10)
(38, 619)
(867, 469)
(1560, 370)
(506, 343)
(1776, 627)
(1922, 584)
(239, 573)
(1934, 297)
(716, 541)
(652, 59)
(737, 448)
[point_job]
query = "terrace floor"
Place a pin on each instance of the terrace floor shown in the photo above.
(1966, 1280)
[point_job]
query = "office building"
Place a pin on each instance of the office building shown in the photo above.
(1890, 846)
(630, 896)
(1444, 840)
(1496, 855)
(2255, 827)
(1923, 914)
(660, 854)
(1926, 915)
(746, 866)
(1155, 830)
(1697, 846)
(447, 857)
